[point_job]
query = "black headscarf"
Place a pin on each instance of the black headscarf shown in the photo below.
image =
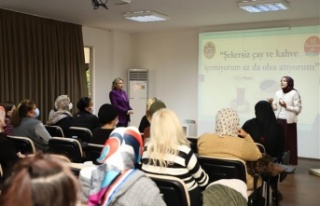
(264, 129)
(290, 86)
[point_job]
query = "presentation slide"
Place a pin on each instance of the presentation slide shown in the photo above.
(239, 68)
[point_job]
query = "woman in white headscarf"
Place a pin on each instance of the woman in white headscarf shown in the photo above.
(62, 117)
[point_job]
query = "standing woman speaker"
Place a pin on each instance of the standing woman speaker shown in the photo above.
(119, 99)
(287, 105)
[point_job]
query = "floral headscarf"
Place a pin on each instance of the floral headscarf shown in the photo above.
(121, 152)
(227, 122)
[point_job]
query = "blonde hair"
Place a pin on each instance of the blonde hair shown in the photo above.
(149, 103)
(115, 82)
(166, 136)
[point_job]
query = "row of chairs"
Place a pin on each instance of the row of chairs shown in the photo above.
(81, 133)
(171, 187)
(68, 147)
(174, 190)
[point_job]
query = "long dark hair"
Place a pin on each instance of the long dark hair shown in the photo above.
(40, 180)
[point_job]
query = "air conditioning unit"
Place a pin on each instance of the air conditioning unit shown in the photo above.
(120, 2)
(138, 93)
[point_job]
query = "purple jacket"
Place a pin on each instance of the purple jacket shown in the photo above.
(119, 99)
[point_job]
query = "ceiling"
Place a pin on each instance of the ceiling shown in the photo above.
(182, 13)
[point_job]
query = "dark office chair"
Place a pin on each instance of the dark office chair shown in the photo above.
(54, 131)
(81, 133)
(24, 144)
(193, 144)
(93, 152)
(228, 168)
(68, 147)
(173, 189)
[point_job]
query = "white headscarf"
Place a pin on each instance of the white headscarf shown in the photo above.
(227, 122)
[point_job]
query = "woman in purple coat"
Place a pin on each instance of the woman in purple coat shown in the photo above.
(119, 99)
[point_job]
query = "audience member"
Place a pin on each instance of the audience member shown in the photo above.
(108, 119)
(119, 99)
(157, 105)
(85, 117)
(8, 155)
(2, 118)
(25, 124)
(265, 130)
(62, 117)
(40, 180)
(226, 192)
(9, 108)
(146, 119)
(229, 141)
(287, 105)
(117, 181)
(168, 152)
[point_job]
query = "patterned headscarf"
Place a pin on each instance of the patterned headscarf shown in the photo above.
(121, 152)
(227, 122)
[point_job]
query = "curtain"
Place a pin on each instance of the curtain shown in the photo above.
(40, 59)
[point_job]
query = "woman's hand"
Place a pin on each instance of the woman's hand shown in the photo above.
(242, 133)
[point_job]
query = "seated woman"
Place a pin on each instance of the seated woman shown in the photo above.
(168, 153)
(25, 124)
(155, 106)
(265, 129)
(108, 118)
(62, 117)
(40, 180)
(8, 155)
(85, 117)
(9, 108)
(2, 118)
(146, 119)
(229, 141)
(117, 181)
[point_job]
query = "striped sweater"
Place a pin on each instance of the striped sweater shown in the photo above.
(185, 166)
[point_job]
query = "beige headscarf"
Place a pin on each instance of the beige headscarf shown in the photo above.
(62, 102)
(62, 106)
(227, 122)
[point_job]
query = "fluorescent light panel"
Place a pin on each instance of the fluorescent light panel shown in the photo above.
(255, 6)
(145, 16)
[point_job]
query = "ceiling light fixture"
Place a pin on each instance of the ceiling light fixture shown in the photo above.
(145, 16)
(256, 6)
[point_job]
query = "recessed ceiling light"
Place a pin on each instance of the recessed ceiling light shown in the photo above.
(256, 6)
(145, 16)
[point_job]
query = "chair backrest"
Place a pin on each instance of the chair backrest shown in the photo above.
(54, 131)
(173, 189)
(93, 152)
(81, 133)
(285, 158)
(68, 147)
(23, 144)
(223, 168)
(193, 143)
(261, 148)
